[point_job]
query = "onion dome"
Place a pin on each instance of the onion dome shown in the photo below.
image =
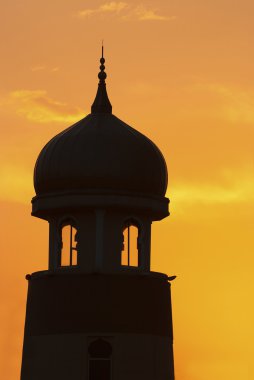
(101, 154)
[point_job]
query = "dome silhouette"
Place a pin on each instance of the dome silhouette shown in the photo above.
(101, 154)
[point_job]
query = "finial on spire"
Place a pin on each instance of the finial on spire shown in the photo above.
(101, 103)
(102, 75)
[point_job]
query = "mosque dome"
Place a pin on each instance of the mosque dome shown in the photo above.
(101, 154)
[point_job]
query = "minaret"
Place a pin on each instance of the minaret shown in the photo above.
(98, 312)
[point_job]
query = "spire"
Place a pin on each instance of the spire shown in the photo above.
(101, 102)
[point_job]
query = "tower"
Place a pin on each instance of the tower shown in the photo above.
(98, 312)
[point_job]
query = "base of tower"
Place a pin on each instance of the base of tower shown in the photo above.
(66, 312)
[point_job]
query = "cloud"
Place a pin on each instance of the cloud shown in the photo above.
(237, 106)
(204, 193)
(38, 68)
(125, 12)
(234, 186)
(37, 107)
(144, 14)
(44, 68)
(112, 7)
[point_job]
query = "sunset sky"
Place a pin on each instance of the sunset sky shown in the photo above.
(180, 72)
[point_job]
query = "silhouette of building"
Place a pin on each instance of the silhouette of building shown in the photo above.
(98, 312)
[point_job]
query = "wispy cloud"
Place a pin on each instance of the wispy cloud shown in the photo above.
(38, 68)
(144, 14)
(44, 68)
(237, 106)
(111, 7)
(125, 11)
(37, 106)
(233, 187)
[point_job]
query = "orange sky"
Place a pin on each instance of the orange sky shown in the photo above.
(182, 73)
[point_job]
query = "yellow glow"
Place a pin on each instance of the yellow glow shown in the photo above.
(16, 183)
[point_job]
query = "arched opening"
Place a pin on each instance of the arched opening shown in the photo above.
(69, 252)
(99, 360)
(130, 249)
